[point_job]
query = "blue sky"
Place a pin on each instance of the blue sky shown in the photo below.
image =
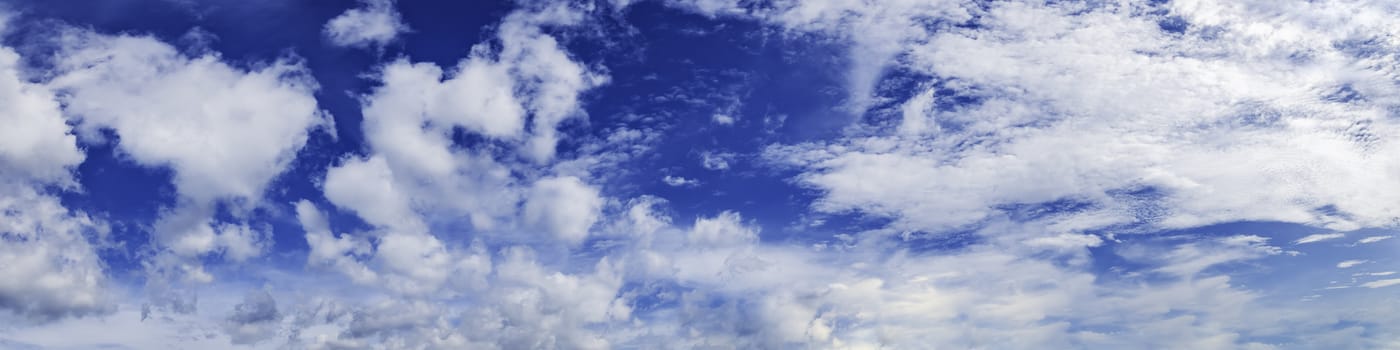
(698, 174)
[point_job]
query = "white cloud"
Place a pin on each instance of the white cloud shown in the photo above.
(679, 181)
(35, 142)
(716, 160)
(1382, 283)
(1088, 105)
(1384, 273)
(478, 95)
(1373, 239)
(367, 187)
(48, 268)
(723, 119)
(374, 25)
(1212, 130)
(337, 252)
(1314, 238)
(1350, 263)
(551, 79)
(224, 131)
(254, 320)
(726, 229)
(415, 263)
(563, 207)
(514, 90)
(409, 259)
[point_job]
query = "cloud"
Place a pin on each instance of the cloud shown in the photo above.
(723, 230)
(49, 266)
(1030, 93)
(367, 188)
(339, 253)
(716, 160)
(1373, 239)
(374, 25)
(1382, 283)
(678, 181)
(254, 320)
(36, 143)
(1017, 199)
(1350, 263)
(1109, 71)
(723, 119)
(514, 90)
(563, 207)
(224, 131)
(1314, 238)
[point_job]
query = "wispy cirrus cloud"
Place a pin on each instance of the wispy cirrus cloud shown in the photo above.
(1314, 238)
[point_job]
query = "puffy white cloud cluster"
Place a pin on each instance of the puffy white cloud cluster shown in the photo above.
(713, 284)
(416, 181)
(48, 260)
(225, 131)
(1220, 122)
(515, 95)
(374, 25)
(49, 267)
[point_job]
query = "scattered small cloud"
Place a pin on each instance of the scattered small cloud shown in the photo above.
(375, 24)
(723, 119)
(1319, 238)
(1385, 273)
(1373, 239)
(678, 181)
(1381, 283)
(1350, 263)
(716, 160)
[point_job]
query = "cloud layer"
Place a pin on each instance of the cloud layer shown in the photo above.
(1012, 175)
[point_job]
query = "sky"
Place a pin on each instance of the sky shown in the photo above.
(699, 174)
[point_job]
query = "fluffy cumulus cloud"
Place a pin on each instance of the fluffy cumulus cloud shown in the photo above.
(48, 259)
(1007, 175)
(1226, 106)
(225, 131)
(375, 24)
(50, 265)
(36, 144)
(564, 207)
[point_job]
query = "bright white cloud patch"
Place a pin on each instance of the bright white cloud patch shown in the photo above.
(329, 250)
(1229, 129)
(723, 119)
(678, 181)
(225, 131)
(49, 267)
(1319, 238)
(1382, 283)
(564, 207)
(716, 160)
(375, 24)
(1373, 239)
(35, 142)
